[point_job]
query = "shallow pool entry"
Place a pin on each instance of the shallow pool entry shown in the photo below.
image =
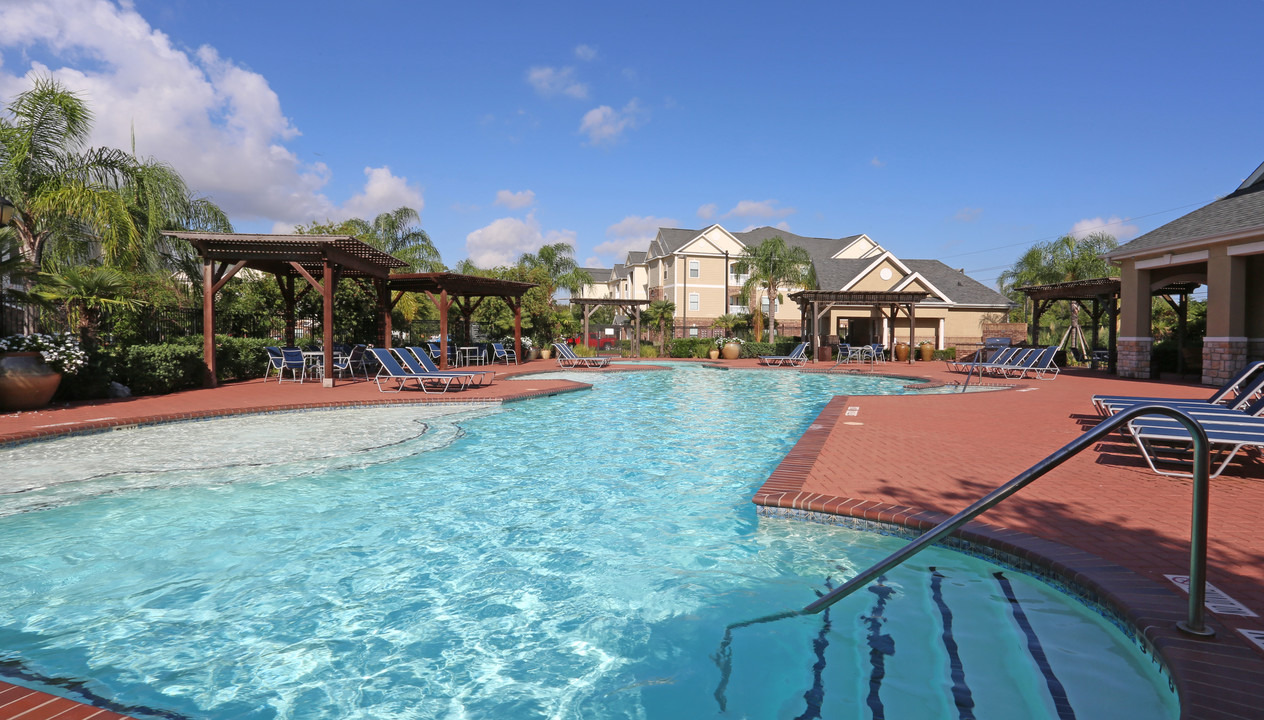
(571, 557)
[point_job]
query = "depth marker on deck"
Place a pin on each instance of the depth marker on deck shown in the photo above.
(853, 411)
(1255, 636)
(1218, 601)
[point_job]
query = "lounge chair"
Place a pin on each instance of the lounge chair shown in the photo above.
(389, 369)
(981, 357)
(1165, 440)
(1006, 363)
(425, 364)
(500, 353)
(292, 360)
(567, 358)
(1039, 363)
(1236, 393)
(797, 357)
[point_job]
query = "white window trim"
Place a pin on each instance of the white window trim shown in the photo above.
(695, 302)
(695, 268)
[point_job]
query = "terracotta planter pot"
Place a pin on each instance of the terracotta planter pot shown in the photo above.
(927, 352)
(546, 353)
(26, 382)
(714, 354)
(731, 351)
(902, 352)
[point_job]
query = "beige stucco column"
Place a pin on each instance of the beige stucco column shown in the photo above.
(1225, 346)
(1135, 340)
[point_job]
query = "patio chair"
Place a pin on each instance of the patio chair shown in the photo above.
(292, 360)
(389, 369)
(844, 355)
(984, 356)
(567, 358)
(1039, 363)
(1237, 392)
(878, 352)
(352, 361)
(1163, 440)
(500, 353)
(275, 362)
(797, 357)
(1006, 363)
(421, 362)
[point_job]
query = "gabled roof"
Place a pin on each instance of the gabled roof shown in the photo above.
(1240, 211)
(959, 287)
(619, 271)
(636, 257)
(670, 240)
(599, 275)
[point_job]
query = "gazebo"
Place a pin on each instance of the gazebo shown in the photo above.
(1101, 295)
(287, 257)
(446, 290)
(631, 307)
(815, 304)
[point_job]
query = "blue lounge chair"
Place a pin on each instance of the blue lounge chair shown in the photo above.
(982, 356)
(418, 361)
(1007, 363)
(1236, 393)
(797, 357)
(568, 359)
(500, 353)
(1038, 363)
(390, 369)
(1166, 441)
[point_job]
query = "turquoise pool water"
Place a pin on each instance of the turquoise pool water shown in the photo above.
(570, 557)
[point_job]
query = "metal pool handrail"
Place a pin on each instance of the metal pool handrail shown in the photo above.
(1194, 625)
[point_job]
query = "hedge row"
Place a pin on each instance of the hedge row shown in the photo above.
(164, 368)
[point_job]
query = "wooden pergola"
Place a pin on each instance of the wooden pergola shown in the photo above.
(466, 292)
(1100, 295)
(631, 307)
(288, 258)
(814, 304)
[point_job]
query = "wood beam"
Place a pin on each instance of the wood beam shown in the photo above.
(226, 276)
(331, 281)
(208, 322)
(313, 281)
(345, 259)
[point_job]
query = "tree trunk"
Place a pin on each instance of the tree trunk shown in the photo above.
(772, 313)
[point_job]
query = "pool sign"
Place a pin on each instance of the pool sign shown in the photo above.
(1217, 600)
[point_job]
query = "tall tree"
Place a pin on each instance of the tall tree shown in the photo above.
(773, 266)
(59, 187)
(559, 266)
(1062, 260)
(86, 292)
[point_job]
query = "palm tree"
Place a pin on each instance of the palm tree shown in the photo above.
(86, 292)
(58, 187)
(774, 265)
(558, 262)
(727, 322)
(660, 313)
(1062, 260)
(396, 232)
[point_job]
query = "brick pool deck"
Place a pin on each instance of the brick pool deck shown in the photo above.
(1102, 519)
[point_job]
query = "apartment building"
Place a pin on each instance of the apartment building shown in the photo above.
(695, 270)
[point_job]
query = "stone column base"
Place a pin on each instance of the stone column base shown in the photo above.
(1133, 358)
(1222, 358)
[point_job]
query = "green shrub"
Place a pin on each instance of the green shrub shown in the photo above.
(240, 358)
(159, 369)
(582, 350)
(755, 349)
(948, 354)
(649, 350)
(93, 381)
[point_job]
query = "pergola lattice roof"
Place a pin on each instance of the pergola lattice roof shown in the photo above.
(274, 253)
(454, 284)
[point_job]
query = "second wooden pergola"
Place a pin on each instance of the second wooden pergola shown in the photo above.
(464, 292)
(814, 304)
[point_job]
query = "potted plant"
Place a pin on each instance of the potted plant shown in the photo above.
(730, 348)
(31, 367)
(714, 352)
(528, 348)
(926, 350)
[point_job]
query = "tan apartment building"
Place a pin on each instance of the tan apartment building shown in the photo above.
(695, 270)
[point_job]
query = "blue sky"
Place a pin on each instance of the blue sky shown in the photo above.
(958, 131)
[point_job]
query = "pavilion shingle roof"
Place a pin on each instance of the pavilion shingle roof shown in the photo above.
(1242, 210)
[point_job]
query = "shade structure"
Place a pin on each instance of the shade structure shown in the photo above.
(466, 292)
(631, 307)
(813, 304)
(286, 257)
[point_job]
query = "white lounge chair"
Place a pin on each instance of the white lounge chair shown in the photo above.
(797, 357)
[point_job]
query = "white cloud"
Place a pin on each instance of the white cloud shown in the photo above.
(592, 261)
(504, 240)
(708, 211)
(515, 200)
(383, 192)
(631, 233)
(550, 81)
(875, 162)
(1117, 226)
(220, 125)
(967, 214)
(605, 124)
(759, 209)
(586, 53)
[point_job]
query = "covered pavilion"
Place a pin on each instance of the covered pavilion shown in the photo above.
(1101, 295)
(631, 307)
(287, 257)
(815, 304)
(466, 292)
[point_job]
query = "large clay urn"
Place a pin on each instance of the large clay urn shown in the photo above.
(927, 352)
(26, 382)
(901, 352)
(731, 351)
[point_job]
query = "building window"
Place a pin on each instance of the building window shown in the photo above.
(693, 331)
(695, 268)
(694, 301)
(763, 306)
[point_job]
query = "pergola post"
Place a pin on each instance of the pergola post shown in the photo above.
(327, 322)
(384, 307)
(912, 313)
(443, 304)
(516, 305)
(208, 321)
(636, 342)
(1112, 314)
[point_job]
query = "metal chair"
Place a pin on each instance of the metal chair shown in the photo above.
(292, 360)
(275, 362)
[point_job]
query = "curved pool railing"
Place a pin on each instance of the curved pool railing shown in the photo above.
(1195, 623)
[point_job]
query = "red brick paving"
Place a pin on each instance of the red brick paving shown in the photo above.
(1102, 518)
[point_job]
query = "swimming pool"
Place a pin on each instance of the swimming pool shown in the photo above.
(569, 557)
